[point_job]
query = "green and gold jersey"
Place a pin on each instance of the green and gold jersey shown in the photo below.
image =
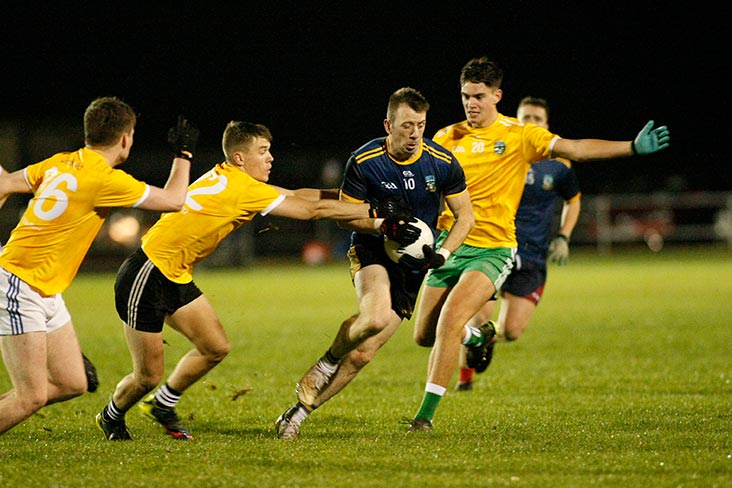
(495, 160)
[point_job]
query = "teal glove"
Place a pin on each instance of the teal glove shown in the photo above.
(649, 141)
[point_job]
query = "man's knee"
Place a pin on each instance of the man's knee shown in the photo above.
(217, 354)
(423, 339)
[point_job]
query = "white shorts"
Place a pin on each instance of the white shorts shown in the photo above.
(23, 310)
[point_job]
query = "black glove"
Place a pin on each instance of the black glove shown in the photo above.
(400, 230)
(431, 259)
(391, 207)
(183, 138)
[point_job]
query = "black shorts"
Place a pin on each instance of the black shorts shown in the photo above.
(405, 283)
(526, 280)
(144, 297)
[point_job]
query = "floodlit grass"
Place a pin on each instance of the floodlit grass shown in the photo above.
(622, 379)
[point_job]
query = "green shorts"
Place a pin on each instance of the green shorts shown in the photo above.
(494, 262)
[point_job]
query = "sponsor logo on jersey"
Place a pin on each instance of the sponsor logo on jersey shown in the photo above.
(548, 182)
(389, 185)
(430, 183)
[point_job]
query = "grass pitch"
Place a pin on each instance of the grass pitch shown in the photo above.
(622, 379)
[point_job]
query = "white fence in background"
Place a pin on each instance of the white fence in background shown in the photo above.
(656, 219)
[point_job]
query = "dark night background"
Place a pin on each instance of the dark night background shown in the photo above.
(319, 74)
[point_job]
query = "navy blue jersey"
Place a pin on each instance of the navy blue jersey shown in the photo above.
(372, 175)
(545, 181)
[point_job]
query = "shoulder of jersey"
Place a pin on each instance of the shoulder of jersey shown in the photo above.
(450, 128)
(510, 121)
(371, 149)
(564, 161)
(436, 150)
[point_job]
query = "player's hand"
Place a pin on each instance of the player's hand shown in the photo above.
(391, 207)
(430, 260)
(559, 250)
(651, 140)
(183, 139)
(400, 230)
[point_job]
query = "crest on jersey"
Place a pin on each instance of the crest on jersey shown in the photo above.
(429, 182)
(499, 148)
(547, 183)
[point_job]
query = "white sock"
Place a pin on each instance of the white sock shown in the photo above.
(326, 365)
(436, 389)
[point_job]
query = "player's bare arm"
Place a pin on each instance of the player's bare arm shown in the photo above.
(312, 194)
(12, 183)
(182, 139)
(591, 149)
(298, 208)
(648, 141)
(172, 197)
(464, 220)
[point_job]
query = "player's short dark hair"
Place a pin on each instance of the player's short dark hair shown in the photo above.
(106, 119)
(537, 102)
(482, 70)
(413, 98)
(238, 135)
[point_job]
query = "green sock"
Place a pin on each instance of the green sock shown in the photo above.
(429, 402)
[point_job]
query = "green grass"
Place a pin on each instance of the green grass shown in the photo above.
(622, 379)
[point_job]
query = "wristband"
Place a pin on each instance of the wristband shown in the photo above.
(185, 155)
(445, 253)
(563, 236)
(632, 148)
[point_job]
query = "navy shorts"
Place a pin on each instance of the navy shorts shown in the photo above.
(144, 297)
(526, 280)
(405, 283)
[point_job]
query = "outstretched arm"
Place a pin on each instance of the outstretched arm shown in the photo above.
(295, 207)
(182, 140)
(647, 141)
(312, 194)
(172, 197)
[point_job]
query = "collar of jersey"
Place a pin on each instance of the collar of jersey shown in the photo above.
(416, 156)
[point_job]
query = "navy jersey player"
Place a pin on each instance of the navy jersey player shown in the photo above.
(546, 181)
(420, 174)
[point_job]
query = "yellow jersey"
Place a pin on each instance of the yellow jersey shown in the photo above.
(495, 160)
(73, 194)
(219, 202)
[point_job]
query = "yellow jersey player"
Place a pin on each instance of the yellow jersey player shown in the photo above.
(495, 152)
(155, 284)
(546, 182)
(73, 193)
